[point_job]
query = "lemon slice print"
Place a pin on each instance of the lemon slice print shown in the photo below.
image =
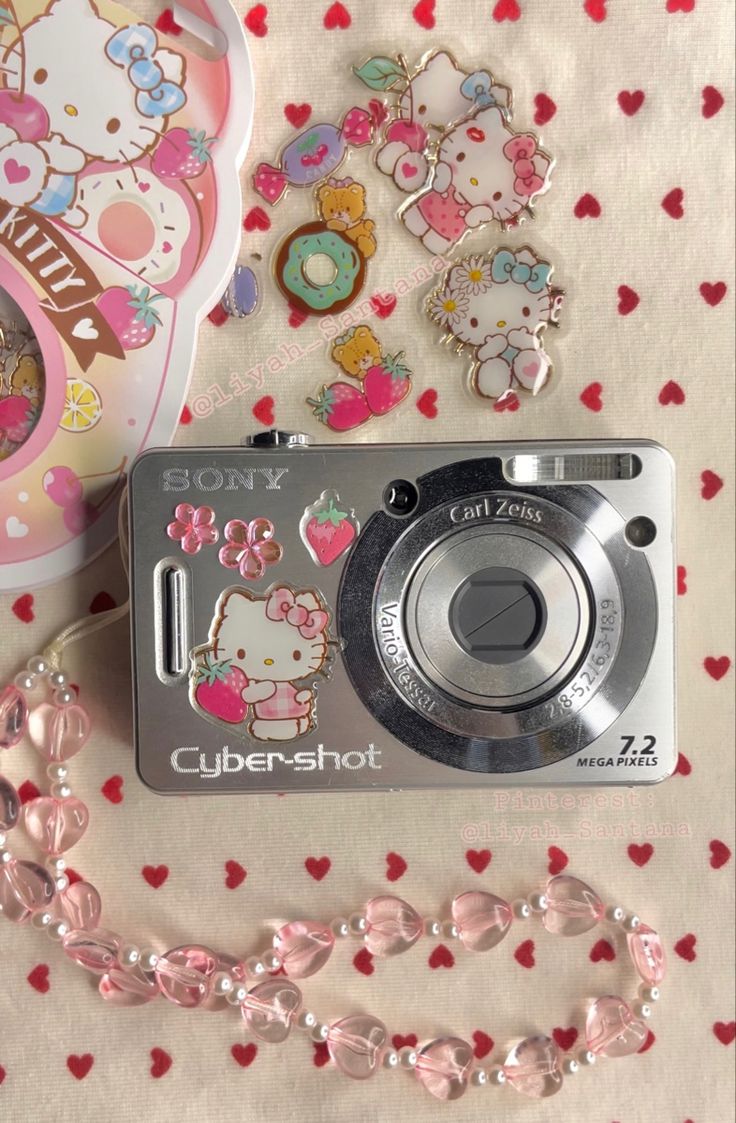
(82, 407)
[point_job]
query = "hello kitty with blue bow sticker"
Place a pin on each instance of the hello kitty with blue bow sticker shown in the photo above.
(149, 69)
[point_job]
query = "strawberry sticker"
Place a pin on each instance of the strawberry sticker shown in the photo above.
(217, 690)
(131, 313)
(326, 530)
(386, 384)
(384, 381)
(182, 154)
(340, 407)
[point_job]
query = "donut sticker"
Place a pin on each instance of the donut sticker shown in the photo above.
(328, 528)
(257, 672)
(320, 267)
(379, 382)
(313, 155)
(497, 306)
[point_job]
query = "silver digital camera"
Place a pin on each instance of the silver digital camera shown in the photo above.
(311, 618)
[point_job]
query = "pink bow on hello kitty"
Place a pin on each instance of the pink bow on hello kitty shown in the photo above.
(521, 151)
(283, 605)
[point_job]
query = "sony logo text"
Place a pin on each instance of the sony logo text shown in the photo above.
(210, 478)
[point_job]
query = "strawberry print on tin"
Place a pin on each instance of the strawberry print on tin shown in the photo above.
(327, 530)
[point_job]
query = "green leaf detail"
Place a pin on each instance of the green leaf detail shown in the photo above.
(322, 407)
(309, 143)
(331, 514)
(200, 144)
(379, 73)
(396, 368)
(210, 672)
(142, 301)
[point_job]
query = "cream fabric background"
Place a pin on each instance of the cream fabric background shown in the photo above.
(629, 164)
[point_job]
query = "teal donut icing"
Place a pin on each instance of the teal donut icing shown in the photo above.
(340, 250)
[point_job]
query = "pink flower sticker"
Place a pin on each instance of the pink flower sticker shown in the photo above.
(193, 527)
(250, 547)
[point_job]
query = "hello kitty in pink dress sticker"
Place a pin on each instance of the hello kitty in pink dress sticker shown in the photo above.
(497, 306)
(257, 671)
(119, 226)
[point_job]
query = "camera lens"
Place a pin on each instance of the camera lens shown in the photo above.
(400, 498)
(498, 615)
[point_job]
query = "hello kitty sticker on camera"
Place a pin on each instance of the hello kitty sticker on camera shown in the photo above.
(258, 669)
(498, 306)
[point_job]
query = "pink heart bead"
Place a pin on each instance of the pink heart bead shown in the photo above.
(185, 974)
(647, 952)
(612, 1030)
(356, 1045)
(573, 907)
(58, 732)
(392, 926)
(80, 906)
(127, 988)
(304, 946)
(444, 1066)
(482, 919)
(25, 888)
(270, 1009)
(13, 716)
(96, 951)
(533, 1067)
(56, 825)
(9, 805)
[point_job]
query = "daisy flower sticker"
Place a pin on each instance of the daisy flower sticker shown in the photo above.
(449, 306)
(472, 276)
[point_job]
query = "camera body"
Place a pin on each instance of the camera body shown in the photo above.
(312, 618)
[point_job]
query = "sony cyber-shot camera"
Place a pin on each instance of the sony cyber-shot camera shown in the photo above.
(314, 617)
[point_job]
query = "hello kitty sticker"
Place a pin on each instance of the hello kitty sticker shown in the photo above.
(453, 149)
(498, 306)
(258, 669)
(119, 218)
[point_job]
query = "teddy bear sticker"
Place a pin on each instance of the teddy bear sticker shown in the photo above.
(258, 669)
(498, 306)
(383, 381)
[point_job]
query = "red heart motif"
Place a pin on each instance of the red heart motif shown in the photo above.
(478, 860)
(640, 855)
(28, 791)
(73, 876)
(185, 417)
(587, 206)
(408, 169)
(545, 109)
(713, 294)
(112, 789)
(591, 397)
(297, 115)
(363, 962)
(400, 1042)
(143, 187)
(671, 394)
(711, 484)
(23, 608)
(509, 402)
(423, 13)
(631, 101)
(218, 316)
(378, 111)
(648, 1042)
(683, 767)
(719, 853)
(161, 1062)
(296, 318)
(441, 957)
(712, 101)
(317, 867)
(80, 1066)
(39, 978)
(558, 860)
(506, 10)
(396, 867)
(602, 950)
(337, 17)
(167, 23)
(717, 667)
(155, 875)
(565, 1038)
(524, 954)
(244, 1054)
(256, 219)
(15, 172)
(672, 202)
(255, 20)
(102, 602)
(725, 1032)
(685, 947)
(321, 1055)
(483, 1044)
(236, 875)
(427, 404)
(680, 6)
(383, 304)
(596, 9)
(263, 411)
(681, 580)
(3, 1074)
(628, 300)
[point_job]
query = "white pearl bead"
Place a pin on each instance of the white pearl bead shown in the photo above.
(570, 1066)
(37, 665)
(148, 960)
(432, 927)
(649, 994)
(63, 696)
(61, 790)
(272, 961)
(57, 929)
(358, 924)
(41, 920)
(129, 955)
(306, 1021)
(57, 772)
(61, 883)
(5, 857)
(254, 965)
(642, 1009)
(450, 930)
(586, 1057)
(407, 1057)
(479, 1078)
(222, 984)
(521, 909)
(238, 995)
(55, 864)
(631, 923)
(538, 902)
(3, 839)
(615, 914)
(391, 1059)
(496, 1075)
(24, 681)
(320, 1031)
(57, 678)
(340, 928)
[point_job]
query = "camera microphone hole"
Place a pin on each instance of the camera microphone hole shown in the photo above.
(640, 532)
